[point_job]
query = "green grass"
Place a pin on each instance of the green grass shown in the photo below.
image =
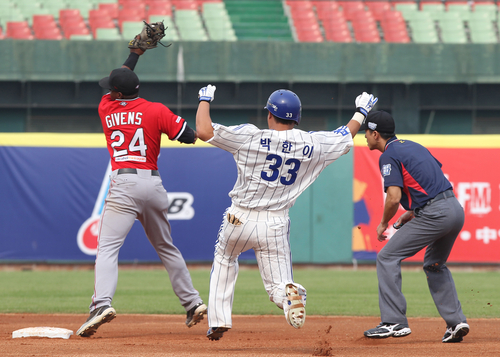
(329, 292)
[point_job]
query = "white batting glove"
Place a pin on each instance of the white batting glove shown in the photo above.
(365, 102)
(207, 93)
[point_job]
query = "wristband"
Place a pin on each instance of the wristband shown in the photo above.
(131, 60)
(359, 117)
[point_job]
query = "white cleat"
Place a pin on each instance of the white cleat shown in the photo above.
(294, 307)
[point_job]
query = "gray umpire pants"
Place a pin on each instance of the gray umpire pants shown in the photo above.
(138, 196)
(436, 226)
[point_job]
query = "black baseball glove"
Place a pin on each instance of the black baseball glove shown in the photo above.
(149, 37)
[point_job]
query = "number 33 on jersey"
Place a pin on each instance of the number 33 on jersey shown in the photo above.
(288, 161)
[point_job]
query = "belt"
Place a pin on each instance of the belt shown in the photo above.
(134, 171)
(442, 195)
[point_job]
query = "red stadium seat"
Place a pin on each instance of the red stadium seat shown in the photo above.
(1, 33)
(310, 36)
(397, 36)
(111, 8)
(378, 8)
(19, 30)
(75, 30)
(185, 4)
(130, 15)
(367, 35)
(48, 33)
(338, 36)
(101, 23)
(300, 4)
(43, 21)
(349, 8)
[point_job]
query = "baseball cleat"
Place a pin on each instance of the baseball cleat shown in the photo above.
(294, 307)
(97, 317)
(456, 333)
(215, 333)
(385, 330)
(195, 315)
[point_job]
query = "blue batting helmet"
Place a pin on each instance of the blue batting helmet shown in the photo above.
(285, 104)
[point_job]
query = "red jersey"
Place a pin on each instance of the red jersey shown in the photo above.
(133, 129)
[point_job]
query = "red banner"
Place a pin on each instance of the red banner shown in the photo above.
(475, 176)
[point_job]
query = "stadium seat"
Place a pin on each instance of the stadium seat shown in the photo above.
(378, 8)
(396, 36)
(462, 8)
(351, 8)
(131, 28)
(364, 27)
(394, 27)
(49, 33)
(325, 8)
(185, 4)
(77, 37)
(108, 34)
(1, 33)
(218, 22)
(338, 35)
(71, 30)
(131, 15)
(310, 36)
(159, 8)
(111, 8)
(190, 25)
(435, 9)
(19, 30)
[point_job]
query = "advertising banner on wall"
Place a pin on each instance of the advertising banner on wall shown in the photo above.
(471, 164)
(52, 192)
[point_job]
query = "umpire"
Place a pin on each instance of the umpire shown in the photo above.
(433, 218)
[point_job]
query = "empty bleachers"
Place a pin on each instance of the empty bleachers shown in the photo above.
(370, 21)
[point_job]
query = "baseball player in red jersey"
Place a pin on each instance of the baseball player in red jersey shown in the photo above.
(133, 127)
(275, 166)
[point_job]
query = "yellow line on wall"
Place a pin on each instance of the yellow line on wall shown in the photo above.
(74, 140)
(445, 141)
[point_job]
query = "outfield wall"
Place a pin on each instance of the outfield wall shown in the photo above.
(52, 189)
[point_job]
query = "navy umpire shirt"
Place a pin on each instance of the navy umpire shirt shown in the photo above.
(411, 166)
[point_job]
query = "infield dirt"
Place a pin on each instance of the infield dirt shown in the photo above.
(166, 335)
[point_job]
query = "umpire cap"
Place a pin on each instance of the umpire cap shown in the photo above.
(121, 80)
(380, 121)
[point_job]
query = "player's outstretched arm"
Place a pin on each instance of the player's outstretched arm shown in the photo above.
(133, 57)
(204, 127)
(364, 103)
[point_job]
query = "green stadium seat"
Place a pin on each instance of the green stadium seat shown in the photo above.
(131, 28)
(463, 10)
(81, 37)
(452, 28)
(190, 26)
(83, 6)
(434, 9)
(483, 37)
(108, 34)
(425, 37)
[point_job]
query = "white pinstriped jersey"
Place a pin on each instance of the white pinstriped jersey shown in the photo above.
(275, 167)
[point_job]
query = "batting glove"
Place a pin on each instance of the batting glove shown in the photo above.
(207, 93)
(365, 102)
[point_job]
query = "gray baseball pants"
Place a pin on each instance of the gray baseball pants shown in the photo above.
(435, 226)
(138, 196)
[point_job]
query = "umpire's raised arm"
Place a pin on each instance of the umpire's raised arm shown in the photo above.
(203, 121)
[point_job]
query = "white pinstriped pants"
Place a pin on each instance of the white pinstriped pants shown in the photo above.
(267, 233)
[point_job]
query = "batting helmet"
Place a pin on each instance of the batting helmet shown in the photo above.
(285, 104)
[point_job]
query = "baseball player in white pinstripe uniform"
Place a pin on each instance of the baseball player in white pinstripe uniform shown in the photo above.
(275, 166)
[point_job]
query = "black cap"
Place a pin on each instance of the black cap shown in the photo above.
(121, 80)
(380, 121)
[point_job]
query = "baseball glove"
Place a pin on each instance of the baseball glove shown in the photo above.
(149, 37)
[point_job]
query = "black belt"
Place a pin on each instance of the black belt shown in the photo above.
(134, 171)
(442, 195)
